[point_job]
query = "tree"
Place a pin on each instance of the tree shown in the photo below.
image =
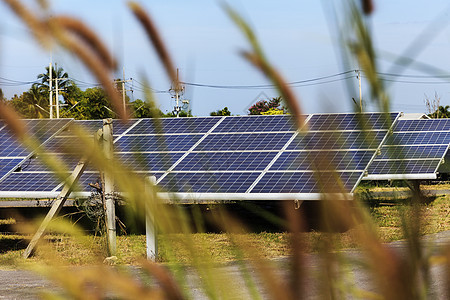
(90, 104)
(440, 112)
(263, 106)
(143, 109)
(32, 104)
(273, 111)
(64, 83)
(434, 109)
(221, 112)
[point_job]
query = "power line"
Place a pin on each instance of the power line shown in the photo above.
(271, 86)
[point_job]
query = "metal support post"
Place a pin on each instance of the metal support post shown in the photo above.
(108, 189)
(57, 205)
(150, 225)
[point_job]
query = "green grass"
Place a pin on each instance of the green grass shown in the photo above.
(219, 248)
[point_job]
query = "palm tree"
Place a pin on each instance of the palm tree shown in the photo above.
(444, 111)
(36, 101)
(63, 80)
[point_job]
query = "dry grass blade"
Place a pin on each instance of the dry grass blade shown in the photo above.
(38, 28)
(78, 28)
(274, 286)
(296, 226)
(168, 285)
(367, 6)
(96, 65)
(280, 83)
(156, 40)
(259, 61)
(11, 118)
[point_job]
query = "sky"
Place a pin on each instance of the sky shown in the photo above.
(300, 38)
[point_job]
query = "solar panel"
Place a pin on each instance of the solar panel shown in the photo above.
(225, 161)
(306, 182)
(29, 181)
(175, 125)
(41, 130)
(8, 164)
(323, 160)
(371, 121)
(325, 140)
(415, 150)
(242, 142)
(257, 124)
(230, 182)
(228, 155)
(156, 143)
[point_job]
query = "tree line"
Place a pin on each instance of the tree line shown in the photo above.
(93, 103)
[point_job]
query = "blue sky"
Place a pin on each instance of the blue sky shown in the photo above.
(205, 45)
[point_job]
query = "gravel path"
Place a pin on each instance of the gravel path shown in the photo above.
(19, 284)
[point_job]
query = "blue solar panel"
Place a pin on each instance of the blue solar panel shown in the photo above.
(24, 181)
(42, 129)
(7, 165)
(226, 161)
(35, 164)
(175, 125)
(415, 166)
(236, 182)
(320, 140)
(9, 146)
(323, 160)
(149, 143)
(412, 152)
(306, 182)
(415, 147)
(241, 142)
(148, 161)
(257, 124)
(423, 125)
(366, 121)
(420, 138)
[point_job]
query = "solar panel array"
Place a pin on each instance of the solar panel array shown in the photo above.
(415, 150)
(245, 154)
(240, 154)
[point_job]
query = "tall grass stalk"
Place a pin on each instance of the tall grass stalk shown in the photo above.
(394, 276)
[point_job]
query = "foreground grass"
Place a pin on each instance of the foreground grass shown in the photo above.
(219, 247)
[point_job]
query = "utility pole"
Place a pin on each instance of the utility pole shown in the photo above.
(358, 72)
(124, 90)
(56, 91)
(177, 91)
(50, 71)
